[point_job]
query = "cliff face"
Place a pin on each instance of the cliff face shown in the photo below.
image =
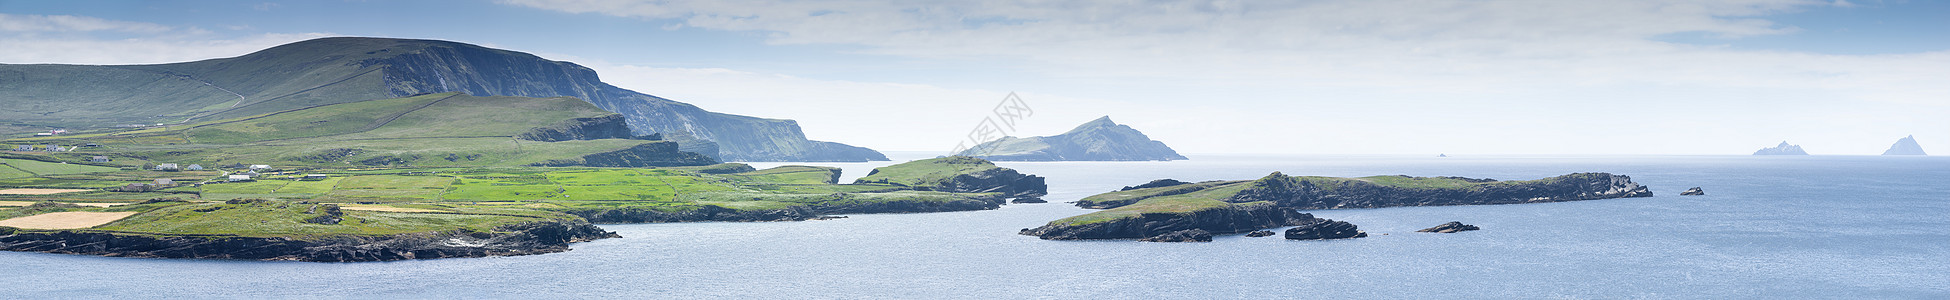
(1783, 149)
(657, 154)
(958, 174)
(1097, 140)
(348, 69)
(1307, 194)
(605, 127)
(1221, 220)
(708, 213)
(519, 239)
(1905, 146)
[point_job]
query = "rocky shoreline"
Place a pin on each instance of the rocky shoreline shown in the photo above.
(1222, 220)
(518, 239)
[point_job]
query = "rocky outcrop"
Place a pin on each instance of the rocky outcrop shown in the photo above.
(1325, 229)
(654, 154)
(986, 178)
(1451, 227)
(1221, 220)
(1695, 191)
(1337, 194)
(1028, 200)
(707, 213)
(919, 206)
(1905, 146)
(1155, 183)
(1259, 233)
(1097, 140)
(1188, 235)
(604, 127)
(1783, 149)
(518, 239)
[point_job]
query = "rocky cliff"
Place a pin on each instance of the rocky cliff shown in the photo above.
(1783, 149)
(348, 69)
(604, 127)
(1905, 146)
(519, 239)
(1219, 220)
(1097, 140)
(658, 154)
(959, 174)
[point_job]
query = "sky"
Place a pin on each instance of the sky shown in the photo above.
(1270, 77)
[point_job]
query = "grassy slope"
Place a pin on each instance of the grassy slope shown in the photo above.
(280, 218)
(927, 172)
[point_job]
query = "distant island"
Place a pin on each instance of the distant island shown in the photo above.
(1905, 146)
(1157, 212)
(1783, 149)
(1097, 140)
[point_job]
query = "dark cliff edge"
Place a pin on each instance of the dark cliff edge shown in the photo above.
(1221, 220)
(518, 239)
(604, 127)
(657, 154)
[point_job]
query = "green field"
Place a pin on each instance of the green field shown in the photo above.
(48, 168)
(927, 172)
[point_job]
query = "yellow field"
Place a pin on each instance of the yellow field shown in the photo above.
(65, 220)
(15, 203)
(37, 191)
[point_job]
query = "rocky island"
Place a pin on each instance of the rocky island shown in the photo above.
(1783, 149)
(1097, 140)
(1905, 146)
(1223, 207)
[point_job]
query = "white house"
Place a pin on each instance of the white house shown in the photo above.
(194, 167)
(167, 167)
(260, 167)
(236, 178)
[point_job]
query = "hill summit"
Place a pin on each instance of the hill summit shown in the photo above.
(1097, 140)
(1783, 149)
(1905, 146)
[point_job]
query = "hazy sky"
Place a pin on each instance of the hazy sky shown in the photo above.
(1313, 77)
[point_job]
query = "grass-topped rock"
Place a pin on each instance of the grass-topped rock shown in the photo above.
(1221, 207)
(959, 174)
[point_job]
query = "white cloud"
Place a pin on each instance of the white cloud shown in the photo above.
(63, 23)
(86, 40)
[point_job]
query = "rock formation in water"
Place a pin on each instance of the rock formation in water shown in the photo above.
(1451, 227)
(1905, 146)
(1259, 233)
(1188, 235)
(1325, 229)
(1695, 191)
(1097, 140)
(1783, 149)
(1218, 220)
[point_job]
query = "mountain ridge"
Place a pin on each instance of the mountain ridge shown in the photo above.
(348, 69)
(1097, 140)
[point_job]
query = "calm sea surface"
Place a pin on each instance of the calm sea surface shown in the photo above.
(1770, 227)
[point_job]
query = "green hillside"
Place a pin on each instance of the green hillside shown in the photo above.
(445, 129)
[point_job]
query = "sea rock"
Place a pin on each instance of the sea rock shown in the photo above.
(1451, 227)
(1028, 200)
(1097, 140)
(1783, 149)
(1259, 233)
(1324, 229)
(1905, 146)
(1695, 191)
(1188, 235)
(1155, 183)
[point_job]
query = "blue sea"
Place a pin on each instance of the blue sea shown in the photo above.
(1769, 228)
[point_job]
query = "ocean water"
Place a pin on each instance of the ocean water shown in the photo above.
(1769, 227)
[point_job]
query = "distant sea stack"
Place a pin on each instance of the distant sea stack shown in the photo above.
(1097, 140)
(1905, 146)
(1783, 149)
